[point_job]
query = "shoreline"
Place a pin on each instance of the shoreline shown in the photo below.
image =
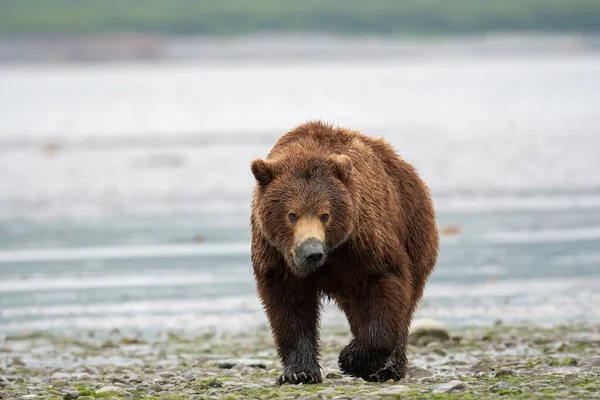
(517, 361)
(283, 48)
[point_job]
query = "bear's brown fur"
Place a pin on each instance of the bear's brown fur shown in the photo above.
(338, 214)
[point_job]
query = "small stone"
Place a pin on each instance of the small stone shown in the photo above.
(85, 398)
(418, 372)
(500, 386)
(166, 374)
(452, 386)
(17, 362)
(113, 390)
(91, 370)
(333, 375)
(30, 396)
(479, 374)
(71, 394)
(589, 339)
(423, 331)
(392, 390)
(591, 361)
(342, 397)
(4, 382)
(504, 372)
(247, 362)
(83, 376)
(327, 392)
(155, 386)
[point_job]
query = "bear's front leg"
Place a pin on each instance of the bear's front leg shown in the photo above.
(292, 307)
(379, 319)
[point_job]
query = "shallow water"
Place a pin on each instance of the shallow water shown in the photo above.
(111, 172)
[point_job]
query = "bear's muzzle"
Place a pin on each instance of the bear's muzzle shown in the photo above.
(310, 254)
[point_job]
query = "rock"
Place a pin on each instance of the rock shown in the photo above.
(418, 372)
(392, 390)
(500, 386)
(4, 382)
(166, 374)
(452, 386)
(481, 367)
(17, 362)
(254, 363)
(589, 339)
(61, 375)
(311, 397)
(333, 375)
(479, 374)
(71, 394)
(30, 396)
(91, 370)
(112, 390)
(155, 386)
(84, 376)
(342, 397)
(328, 392)
(504, 372)
(423, 331)
(86, 398)
(591, 361)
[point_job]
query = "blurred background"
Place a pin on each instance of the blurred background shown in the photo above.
(127, 129)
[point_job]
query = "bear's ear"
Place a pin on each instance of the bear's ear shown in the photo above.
(262, 171)
(343, 166)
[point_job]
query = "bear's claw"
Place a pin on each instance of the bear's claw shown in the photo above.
(302, 377)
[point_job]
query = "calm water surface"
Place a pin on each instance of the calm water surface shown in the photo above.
(125, 189)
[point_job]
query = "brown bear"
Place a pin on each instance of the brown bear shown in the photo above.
(338, 214)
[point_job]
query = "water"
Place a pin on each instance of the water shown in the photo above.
(125, 188)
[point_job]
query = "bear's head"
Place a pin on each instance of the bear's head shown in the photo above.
(303, 206)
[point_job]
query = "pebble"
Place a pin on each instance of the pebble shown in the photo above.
(500, 386)
(4, 382)
(312, 397)
(452, 386)
(86, 398)
(327, 392)
(423, 331)
(589, 339)
(166, 374)
(418, 372)
(155, 386)
(333, 375)
(114, 390)
(83, 376)
(392, 390)
(30, 396)
(71, 394)
(591, 361)
(247, 362)
(504, 372)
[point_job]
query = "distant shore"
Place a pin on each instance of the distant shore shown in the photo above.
(517, 362)
(94, 48)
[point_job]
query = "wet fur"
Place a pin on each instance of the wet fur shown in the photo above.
(382, 241)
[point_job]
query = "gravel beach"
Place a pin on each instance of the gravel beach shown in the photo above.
(470, 363)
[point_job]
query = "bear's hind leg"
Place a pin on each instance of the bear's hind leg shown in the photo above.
(378, 318)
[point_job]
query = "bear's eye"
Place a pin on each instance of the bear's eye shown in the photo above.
(324, 217)
(293, 217)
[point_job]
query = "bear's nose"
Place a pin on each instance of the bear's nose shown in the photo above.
(314, 258)
(310, 254)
